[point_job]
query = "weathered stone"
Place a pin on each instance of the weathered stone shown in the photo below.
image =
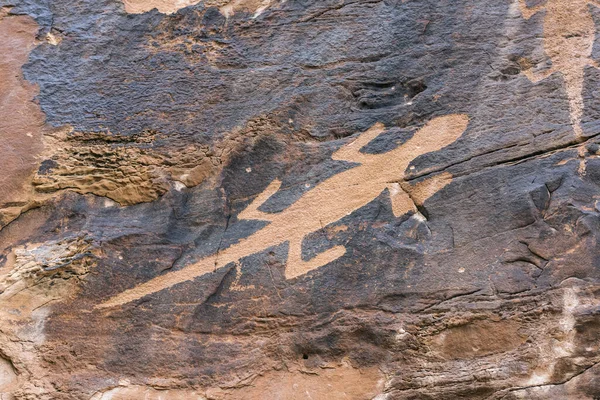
(353, 199)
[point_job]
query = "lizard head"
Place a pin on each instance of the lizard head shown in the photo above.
(435, 135)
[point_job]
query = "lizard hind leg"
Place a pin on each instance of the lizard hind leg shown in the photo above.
(296, 266)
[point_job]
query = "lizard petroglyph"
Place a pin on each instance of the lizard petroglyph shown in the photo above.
(326, 203)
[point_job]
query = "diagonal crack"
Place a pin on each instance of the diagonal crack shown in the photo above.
(227, 221)
(455, 296)
(336, 8)
(570, 145)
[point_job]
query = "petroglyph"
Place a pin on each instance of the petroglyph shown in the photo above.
(569, 33)
(326, 203)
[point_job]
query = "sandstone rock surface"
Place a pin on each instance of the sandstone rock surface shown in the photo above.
(299, 199)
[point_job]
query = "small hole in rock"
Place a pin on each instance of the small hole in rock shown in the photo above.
(415, 87)
(305, 356)
(511, 71)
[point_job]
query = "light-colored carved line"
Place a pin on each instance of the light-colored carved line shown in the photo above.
(569, 34)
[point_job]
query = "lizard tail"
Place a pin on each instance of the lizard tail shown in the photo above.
(252, 212)
(202, 267)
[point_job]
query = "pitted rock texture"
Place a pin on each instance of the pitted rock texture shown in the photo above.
(299, 199)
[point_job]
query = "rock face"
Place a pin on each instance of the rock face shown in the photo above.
(333, 199)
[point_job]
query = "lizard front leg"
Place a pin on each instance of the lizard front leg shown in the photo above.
(423, 190)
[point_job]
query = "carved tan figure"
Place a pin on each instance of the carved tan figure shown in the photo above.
(326, 203)
(569, 32)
